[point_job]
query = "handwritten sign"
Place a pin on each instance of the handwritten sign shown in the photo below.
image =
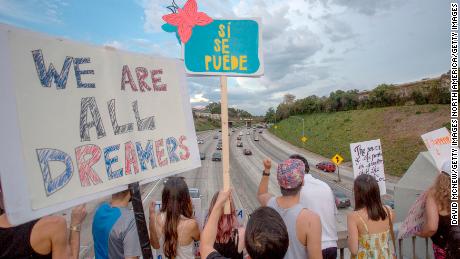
(367, 158)
(225, 47)
(438, 144)
(80, 122)
(415, 218)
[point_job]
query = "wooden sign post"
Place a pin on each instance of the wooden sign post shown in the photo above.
(225, 138)
(228, 47)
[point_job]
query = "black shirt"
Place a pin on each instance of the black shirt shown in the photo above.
(216, 255)
(15, 242)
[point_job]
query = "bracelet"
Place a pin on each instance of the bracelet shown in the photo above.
(264, 173)
(75, 228)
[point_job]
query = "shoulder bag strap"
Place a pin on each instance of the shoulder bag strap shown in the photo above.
(391, 228)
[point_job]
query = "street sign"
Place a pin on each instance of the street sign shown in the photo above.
(337, 159)
(304, 139)
(276, 126)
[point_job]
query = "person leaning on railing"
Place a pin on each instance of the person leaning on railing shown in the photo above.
(437, 214)
(370, 227)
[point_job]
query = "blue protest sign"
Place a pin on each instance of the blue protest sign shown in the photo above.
(225, 47)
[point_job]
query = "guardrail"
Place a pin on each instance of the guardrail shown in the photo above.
(342, 244)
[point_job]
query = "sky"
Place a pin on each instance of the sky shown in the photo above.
(310, 47)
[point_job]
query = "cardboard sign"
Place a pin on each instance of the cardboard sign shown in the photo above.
(415, 218)
(80, 122)
(367, 158)
(438, 144)
(225, 47)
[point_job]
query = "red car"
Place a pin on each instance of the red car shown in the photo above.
(326, 166)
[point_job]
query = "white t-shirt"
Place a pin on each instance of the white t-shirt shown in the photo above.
(317, 196)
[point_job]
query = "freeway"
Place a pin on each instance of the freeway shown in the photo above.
(245, 174)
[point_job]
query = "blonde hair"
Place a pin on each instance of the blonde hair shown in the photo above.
(441, 192)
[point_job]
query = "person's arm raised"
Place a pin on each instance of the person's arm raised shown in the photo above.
(208, 237)
(262, 195)
(76, 219)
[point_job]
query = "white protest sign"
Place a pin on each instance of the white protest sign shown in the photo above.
(367, 158)
(438, 144)
(80, 122)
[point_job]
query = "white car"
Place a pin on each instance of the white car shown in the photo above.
(241, 133)
(248, 133)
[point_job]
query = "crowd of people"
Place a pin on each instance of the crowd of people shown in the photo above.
(300, 223)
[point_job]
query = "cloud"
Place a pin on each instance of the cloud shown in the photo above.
(198, 98)
(46, 11)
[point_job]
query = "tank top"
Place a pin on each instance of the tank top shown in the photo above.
(183, 252)
(230, 249)
(296, 249)
(374, 246)
(15, 242)
(440, 237)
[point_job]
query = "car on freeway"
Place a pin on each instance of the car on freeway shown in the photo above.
(256, 138)
(238, 138)
(247, 152)
(216, 156)
(260, 131)
(200, 141)
(241, 133)
(239, 144)
(233, 130)
(326, 166)
(216, 136)
(254, 129)
(219, 147)
(202, 156)
(341, 200)
(220, 130)
(194, 192)
(248, 133)
(219, 142)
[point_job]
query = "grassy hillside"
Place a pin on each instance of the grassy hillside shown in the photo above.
(399, 129)
(202, 124)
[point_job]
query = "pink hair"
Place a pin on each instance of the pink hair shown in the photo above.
(227, 223)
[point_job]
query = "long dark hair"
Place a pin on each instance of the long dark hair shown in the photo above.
(367, 195)
(227, 222)
(175, 201)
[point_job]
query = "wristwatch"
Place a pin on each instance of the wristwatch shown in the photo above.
(264, 173)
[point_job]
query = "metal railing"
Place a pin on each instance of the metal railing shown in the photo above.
(342, 244)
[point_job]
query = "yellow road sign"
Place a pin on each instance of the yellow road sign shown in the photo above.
(304, 139)
(276, 126)
(337, 159)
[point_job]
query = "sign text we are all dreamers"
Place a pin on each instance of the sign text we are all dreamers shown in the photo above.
(86, 121)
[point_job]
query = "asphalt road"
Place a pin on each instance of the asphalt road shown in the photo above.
(245, 174)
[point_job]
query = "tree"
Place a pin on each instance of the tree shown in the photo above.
(270, 115)
(288, 98)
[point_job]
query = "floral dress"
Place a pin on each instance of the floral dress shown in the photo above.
(374, 246)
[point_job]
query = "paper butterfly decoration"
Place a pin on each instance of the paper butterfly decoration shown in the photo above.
(185, 19)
